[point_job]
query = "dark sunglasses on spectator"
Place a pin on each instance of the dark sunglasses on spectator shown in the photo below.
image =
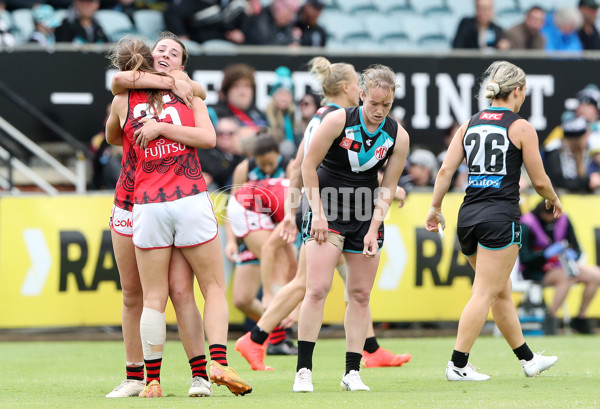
(305, 103)
(227, 133)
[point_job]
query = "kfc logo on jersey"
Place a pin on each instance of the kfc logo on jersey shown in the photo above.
(380, 152)
(163, 148)
(491, 116)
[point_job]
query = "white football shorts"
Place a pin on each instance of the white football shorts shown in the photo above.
(121, 221)
(185, 222)
(244, 221)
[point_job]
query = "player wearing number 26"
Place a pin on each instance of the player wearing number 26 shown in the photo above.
(495, 142)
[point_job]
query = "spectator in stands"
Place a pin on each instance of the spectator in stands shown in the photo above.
(274, 25)
(549, 254)
(527, 35)
(237, 98)
(588, 33)
(281, 112)
(202, 20)
(309, 104)
(45, 24)
(422, 167)
(479, 31)
(311, 34)
(106, 165)
(565, 159)
(6, 38)
(219, 163)
(561, 30)
(79, 26)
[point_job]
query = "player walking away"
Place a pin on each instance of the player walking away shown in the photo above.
(495, 143)
(346, 215)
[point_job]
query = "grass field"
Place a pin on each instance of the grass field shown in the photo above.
(78, 374)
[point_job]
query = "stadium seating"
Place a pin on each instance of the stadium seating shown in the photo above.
(357, 6)
(390, 6)
(385, 29)
(23, 22)
(350, 24)
(149, 23)
(115, 24)
(525, 5)
(427, 7)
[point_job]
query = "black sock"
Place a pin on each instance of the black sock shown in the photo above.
(352, 362)
(523, 352)
(305, 354)
(198, 365)
(277, 335)
(135, 372)
(258, 335)
(371, 345)
(218, 353)
(460, 359)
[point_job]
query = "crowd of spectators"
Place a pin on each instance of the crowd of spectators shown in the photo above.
(564, 29)
(296, 23)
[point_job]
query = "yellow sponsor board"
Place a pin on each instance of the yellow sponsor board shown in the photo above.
(57, 266)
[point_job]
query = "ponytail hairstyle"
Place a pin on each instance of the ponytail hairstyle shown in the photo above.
(502, 78)
(331, 76)
(132, 54)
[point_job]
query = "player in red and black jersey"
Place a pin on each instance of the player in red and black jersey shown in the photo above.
(176, 212)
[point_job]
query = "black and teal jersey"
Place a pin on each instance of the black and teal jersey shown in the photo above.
(316, 121)
(352, 163)
(494, 164)
(254, 172)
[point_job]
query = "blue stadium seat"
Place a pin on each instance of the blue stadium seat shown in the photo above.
(559, 4)
(390, 6)
(149, 23)
(525, 5)
(6, 17)
(509, 20)
(114, 24)
(421, 29)
(219, 47)
(428, 7)
(346, 28)
(448, 24)
(23, 22)
(384, 29)
(61, 14)
(505, 7)
(465, 8)
(357, 6)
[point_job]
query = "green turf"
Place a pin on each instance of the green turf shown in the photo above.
(78, 375)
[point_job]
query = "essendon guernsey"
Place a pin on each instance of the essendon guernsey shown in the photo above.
(264, 196)
(166, 170)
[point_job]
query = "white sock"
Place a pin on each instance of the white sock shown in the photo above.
(153, 331)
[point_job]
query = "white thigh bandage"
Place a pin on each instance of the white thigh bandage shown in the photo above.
(153, 331)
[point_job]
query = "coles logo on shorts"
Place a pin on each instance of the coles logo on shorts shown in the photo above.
(122, 223)
(380, 152)
(491, 116)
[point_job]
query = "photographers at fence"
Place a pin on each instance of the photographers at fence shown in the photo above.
(550, 254)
